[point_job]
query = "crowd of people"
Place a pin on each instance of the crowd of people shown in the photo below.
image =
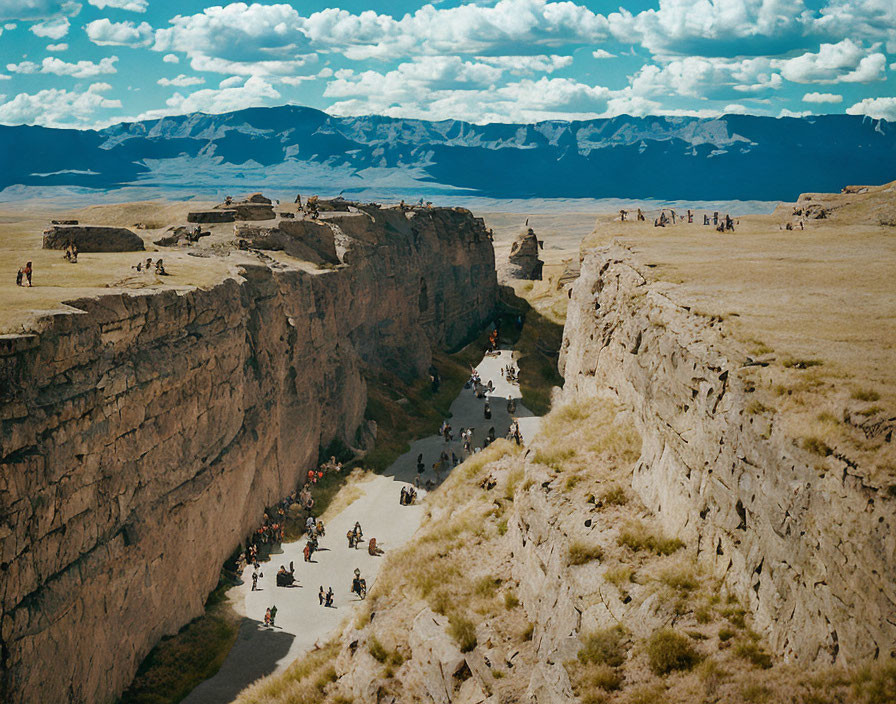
(299, 506)
(147, 266)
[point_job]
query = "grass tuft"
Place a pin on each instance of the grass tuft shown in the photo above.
(636, 537)
(581, 553)
(669, 650)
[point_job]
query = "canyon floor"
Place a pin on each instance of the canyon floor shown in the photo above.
(372, 500)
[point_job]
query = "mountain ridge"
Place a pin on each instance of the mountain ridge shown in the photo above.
(742, 157)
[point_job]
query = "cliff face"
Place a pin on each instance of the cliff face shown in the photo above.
(142, 438)
(807, 541)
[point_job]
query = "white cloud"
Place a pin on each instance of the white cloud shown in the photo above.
(129, 5)
(872, 20)
(526, 65)
(602, 54)
(181, 81)
(843, 62)
(255, 91)
(57, 47)
(9, 26)
(822, 98)
(241, 33)
(696, 76)
(790, 113)
(171, 59)
(55, 28)
(81, 69)
(877, 108)
(36, 9)
(57, 108)
(713, 27)
(104, 32)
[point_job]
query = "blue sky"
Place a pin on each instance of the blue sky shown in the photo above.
(90, 63)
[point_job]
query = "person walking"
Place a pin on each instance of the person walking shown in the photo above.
(273, 615)
(321, 596)
(254, 581)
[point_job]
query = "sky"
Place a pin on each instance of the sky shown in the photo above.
(92, 63)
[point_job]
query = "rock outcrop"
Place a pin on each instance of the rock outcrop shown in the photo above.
(524, 261)
(808, 541)
(143, 437)
(310, 240)
(211, 216)
(92, 238)
(255, 207)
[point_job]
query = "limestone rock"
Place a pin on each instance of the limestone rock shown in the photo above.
(308, 240)
(211, 216)
(92, 238)
(147, 418)
(813, 556)
(524, 261)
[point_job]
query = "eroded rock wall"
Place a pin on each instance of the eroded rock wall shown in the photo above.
(808, 542)
(142, 438)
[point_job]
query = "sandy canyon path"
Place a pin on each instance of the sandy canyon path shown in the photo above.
(301, 622)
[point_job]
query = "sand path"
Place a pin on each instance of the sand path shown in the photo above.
(301, 622)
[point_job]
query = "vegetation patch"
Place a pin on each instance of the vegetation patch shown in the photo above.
(816, 446)
(668, 650)
(581, 553)
(636, 537)
(181, 662)
(791, 363)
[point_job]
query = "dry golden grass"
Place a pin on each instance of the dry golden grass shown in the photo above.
(350, 492)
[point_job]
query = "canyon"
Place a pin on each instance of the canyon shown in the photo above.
(716, 470)
(144, 432)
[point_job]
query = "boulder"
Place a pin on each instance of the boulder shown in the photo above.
(303, 239)
(255, 207)
(210, 216)
(524, 261)
(253, 211)
(175, 235)
(90, 238)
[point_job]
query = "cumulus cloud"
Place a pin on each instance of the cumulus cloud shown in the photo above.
(105, 32)
(181, 81)
(252, 33)
(55, 28)
(129, 5)
(171, 59)
(713, 27)
(80, 69)
(843, 62)
(525, 65)
(822, 98)
(255, 91)
(57, 47)
(696, 76)
(872, 20)
(877, 108)
(36, 9)
(602, 54)
(791, 113)
(57, 108)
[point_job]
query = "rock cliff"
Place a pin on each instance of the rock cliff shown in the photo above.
(805, 537)
(143, 436)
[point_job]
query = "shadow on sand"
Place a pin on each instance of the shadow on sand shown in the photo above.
(257, 649)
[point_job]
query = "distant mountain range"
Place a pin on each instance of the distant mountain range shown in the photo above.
(299, 149)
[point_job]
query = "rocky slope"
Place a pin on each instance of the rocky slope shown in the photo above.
(801, 533)
(665, 537)
(143, 437)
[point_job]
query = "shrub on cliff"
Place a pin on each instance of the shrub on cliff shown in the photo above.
(669, 650)
(636, 536)
(604, 647)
